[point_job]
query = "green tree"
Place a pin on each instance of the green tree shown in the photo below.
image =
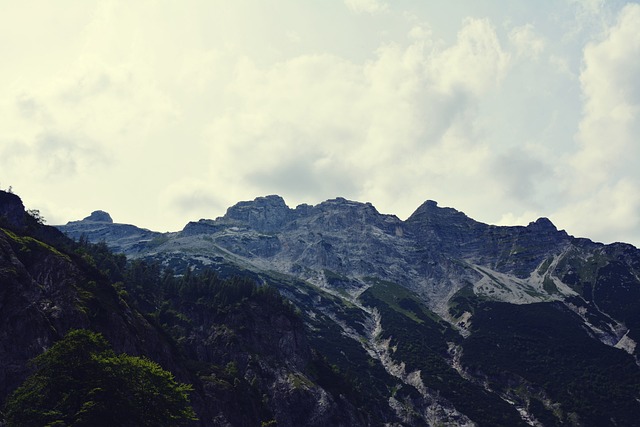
(36, 215)
(80, 381)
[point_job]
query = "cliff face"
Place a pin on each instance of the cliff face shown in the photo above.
(36, 296)
(266, 357)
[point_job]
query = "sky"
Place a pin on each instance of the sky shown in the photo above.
(164, 112)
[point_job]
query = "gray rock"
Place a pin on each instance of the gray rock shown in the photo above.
(99, 216)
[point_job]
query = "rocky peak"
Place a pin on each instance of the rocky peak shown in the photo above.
(12, 211)
(342, 206)
(342, 203)
(99, 216)
(444, 230)
(268, 213)
(543, 231)
(339, 214)
(542, 225)
(430, 214)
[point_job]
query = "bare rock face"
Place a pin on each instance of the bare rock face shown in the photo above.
(264, 214)
(99, 216)
(34, 304)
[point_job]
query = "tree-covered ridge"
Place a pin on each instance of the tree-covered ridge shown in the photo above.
(225, 330)
(539, 354)
(81, 381)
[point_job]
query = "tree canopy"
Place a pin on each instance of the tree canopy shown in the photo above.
(80, 381)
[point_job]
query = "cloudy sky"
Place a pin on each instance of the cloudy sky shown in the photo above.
(161, 112)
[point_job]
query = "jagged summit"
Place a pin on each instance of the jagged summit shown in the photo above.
(99, 216)
(430, 211)
(542, 223)
(340, 203)
(271, 213)
(263, 213)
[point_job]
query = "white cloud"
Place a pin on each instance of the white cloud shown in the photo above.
(519, 173)
(366, 6)
(610, 214)
(322, 125)
(476, 62)
(611, 123)
(526, 41)
(524, 218)
(190, 197)
(589, 6)
(603, 181)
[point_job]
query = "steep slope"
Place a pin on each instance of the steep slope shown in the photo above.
(47, 290)
(402, 305)
(246, 353)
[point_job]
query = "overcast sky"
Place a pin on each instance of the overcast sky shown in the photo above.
(162, 112)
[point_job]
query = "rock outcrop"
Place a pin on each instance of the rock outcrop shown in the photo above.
(99, 216)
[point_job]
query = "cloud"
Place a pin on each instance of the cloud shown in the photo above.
(519, 172)
(476, 62)
(592, 7)
(588, 17)
(611, 119)
(322, 125)
(609, 215)
(59, 155)
(190, 197)
(366, 6)
(526, 41)
(52, 155)
(602, 182)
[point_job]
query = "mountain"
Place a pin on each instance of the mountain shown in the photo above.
(47, 289)
(123, 238)
(242, 348)
(435, 320)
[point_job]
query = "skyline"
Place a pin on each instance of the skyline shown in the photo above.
(162, 113)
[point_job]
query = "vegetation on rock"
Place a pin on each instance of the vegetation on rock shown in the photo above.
(80, 381)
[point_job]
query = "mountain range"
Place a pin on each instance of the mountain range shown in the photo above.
(434, 320)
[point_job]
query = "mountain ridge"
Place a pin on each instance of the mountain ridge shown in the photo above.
(370, 280)
(431, 227)
(242, 347)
